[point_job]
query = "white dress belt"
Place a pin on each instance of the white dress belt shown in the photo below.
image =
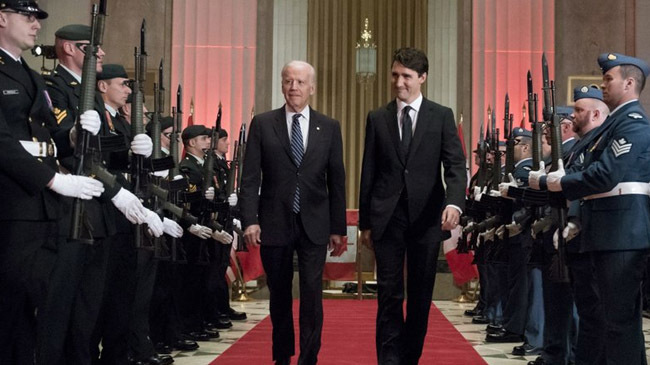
(624, 188)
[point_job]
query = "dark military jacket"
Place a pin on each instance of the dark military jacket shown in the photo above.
(25, 114)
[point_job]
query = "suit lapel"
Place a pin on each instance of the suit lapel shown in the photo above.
(391, 120)
(70, 81)
(314, 134)
(280, 127)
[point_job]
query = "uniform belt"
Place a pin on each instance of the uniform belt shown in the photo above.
(39, 149)
(624, 188)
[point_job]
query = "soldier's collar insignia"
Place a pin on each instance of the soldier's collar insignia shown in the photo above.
(635, 115)
(74, 83)
(2, 62)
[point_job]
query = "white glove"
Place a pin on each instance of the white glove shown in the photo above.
(90, 121)
(232, 199)
(478, 193)
(513, 229)
(209, 194)
(236, 223)
(76, 186)
(504, 186)
(534, 176)
(555, 240)
(163, 174)
(130, 206)
(500, 231)
(172, 228)
(177, 177)
(488, 235)
(200, 231)
(154, 223)
(222, 237)
(554, 179)
(570, 231)
(142, 145)
(495, 193)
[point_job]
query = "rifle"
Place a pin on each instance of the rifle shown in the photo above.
(87, 162)
(508, 120)
(559, 270)
(175, 197)
(138, 174)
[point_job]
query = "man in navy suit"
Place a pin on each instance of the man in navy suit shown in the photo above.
(404, 208)
(293, 198)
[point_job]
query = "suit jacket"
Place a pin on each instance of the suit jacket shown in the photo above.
(385, 173)
(268, 164)
(25, 114)
(620, 152)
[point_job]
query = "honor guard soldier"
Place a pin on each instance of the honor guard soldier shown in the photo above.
(31, 184)
(196, 140)
(612, 188)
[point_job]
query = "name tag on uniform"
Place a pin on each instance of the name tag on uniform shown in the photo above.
(10, 92)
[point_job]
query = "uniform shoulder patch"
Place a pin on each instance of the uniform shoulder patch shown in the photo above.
(635, 115)
(621, 146)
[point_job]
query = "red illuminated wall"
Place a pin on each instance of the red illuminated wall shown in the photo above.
(508, 39)
(213, 58)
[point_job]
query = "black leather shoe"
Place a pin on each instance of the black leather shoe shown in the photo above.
(222, 322)
(163, 348)
(283, 361)
(211, 332)
(476, 311)
(504, 336)
(525, 350)
(185, 345)
(480, 320)
(538, 361)
(196, 336)
(494, 328)
(236, 316)
(156, 360)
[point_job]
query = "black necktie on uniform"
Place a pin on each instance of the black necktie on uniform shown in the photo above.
(407, 130)
(297, 150)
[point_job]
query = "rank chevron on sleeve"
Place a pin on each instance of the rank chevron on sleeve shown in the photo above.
(621, 147)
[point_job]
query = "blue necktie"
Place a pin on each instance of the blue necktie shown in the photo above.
(297, 150)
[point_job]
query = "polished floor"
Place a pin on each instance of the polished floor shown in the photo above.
(493, 354)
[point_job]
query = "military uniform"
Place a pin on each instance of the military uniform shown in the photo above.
(28, 219)
(612, 190)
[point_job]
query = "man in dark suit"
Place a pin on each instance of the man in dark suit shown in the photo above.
(404, 208)
(295, 155)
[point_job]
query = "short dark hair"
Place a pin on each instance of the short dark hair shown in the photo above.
(635, 73)
(412, 58)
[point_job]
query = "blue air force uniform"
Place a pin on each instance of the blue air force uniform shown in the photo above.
(612, 189)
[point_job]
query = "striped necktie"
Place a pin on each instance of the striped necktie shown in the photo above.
(297, 151)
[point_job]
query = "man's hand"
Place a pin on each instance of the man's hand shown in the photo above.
(570, 231)
(172, 228)
(366, 238)
(504, 186)
(209, 194)
(222, 237)
(142, 145)
(76, 186)
(130, 206)
(232, 200)
(450, 218)
(554, 180)
(337, 245)
(534, 176)
(252, 235)
(155, 225)
(200, 231)
(90, 121)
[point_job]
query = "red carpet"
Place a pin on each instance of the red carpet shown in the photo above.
(349, 338)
